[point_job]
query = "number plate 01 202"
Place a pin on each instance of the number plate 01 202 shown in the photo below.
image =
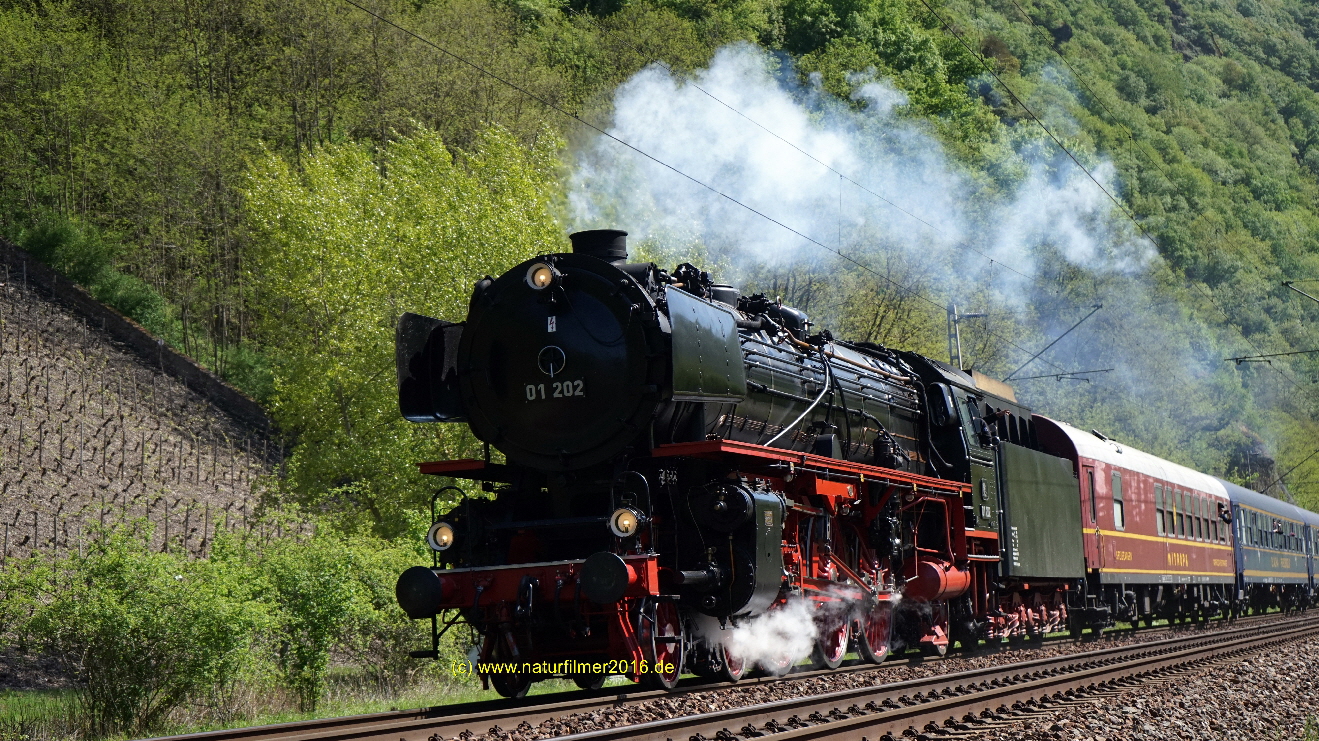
(555, 390)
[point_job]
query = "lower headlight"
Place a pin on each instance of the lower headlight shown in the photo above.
(440, 536)
(624, 522)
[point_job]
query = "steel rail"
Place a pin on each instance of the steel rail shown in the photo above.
(447, 721)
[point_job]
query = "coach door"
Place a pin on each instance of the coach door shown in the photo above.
(1090, 517)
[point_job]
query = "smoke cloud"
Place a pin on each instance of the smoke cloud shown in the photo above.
(1027, 237)
(856, 178)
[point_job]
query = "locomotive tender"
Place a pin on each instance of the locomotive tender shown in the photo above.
(681, 459)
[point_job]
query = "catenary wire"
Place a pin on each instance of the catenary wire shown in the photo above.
(795, 146)
(813, 158)
(1049, 132)
(914, 293)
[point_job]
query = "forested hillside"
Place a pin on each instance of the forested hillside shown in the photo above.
(267, 185)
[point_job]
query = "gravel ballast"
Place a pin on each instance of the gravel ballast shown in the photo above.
(698, 702)
(1269, 695)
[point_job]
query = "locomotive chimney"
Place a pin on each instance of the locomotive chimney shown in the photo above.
(609, 245)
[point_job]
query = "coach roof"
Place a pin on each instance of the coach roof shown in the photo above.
(1088, 445)
(1266, 503)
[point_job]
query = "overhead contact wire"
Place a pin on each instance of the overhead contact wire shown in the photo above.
(1121, 207)
(805, 153)
(568, 114)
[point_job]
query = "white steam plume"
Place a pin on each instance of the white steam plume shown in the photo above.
(763, 640)
(919, 201)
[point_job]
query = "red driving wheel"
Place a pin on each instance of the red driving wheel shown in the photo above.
(660, 632)
(831, 641)
(875, 631)
(735, 667)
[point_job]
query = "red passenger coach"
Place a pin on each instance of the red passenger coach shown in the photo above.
(1156, 535)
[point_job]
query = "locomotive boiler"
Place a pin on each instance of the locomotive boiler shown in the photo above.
(680, 459)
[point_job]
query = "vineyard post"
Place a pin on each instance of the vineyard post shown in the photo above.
(187, 520)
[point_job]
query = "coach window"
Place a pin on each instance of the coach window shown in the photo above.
(1201, 524)
(1119, 518)
(1169, 528)
(1090, 482)
(1158, 508)
(1179, 516)
(1214, 521)
(1194, 527)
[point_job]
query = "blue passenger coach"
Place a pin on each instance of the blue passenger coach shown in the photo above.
(1274, 546)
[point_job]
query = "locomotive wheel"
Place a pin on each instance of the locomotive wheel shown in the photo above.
(590, 681)
(512, 685)
(778, 665)
(735, 667)
(659, 630)
(875, 633)
(830, 642)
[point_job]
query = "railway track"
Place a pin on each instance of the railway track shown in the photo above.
(908, 701)
(958, 703)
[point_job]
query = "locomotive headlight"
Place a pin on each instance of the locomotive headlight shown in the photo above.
(624, 522)
(541, 276)
(440, 536)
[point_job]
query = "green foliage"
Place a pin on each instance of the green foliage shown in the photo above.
(350, 243)
(151, 635)
(140, 121)
(85, 254)
(314, 588)
(144, 632)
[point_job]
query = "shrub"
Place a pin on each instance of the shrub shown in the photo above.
(144, 633)
(80, 252)
(313, 586)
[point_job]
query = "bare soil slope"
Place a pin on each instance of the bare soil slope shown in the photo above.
(90, 432)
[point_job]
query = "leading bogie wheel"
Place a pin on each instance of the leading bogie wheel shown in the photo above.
(874, 633)
(661, 635)
(512, 684)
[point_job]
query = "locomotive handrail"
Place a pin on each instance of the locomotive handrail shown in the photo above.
(833, 466)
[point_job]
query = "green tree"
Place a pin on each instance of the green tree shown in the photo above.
(349, 244)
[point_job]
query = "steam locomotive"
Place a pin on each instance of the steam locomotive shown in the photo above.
(681, 459)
